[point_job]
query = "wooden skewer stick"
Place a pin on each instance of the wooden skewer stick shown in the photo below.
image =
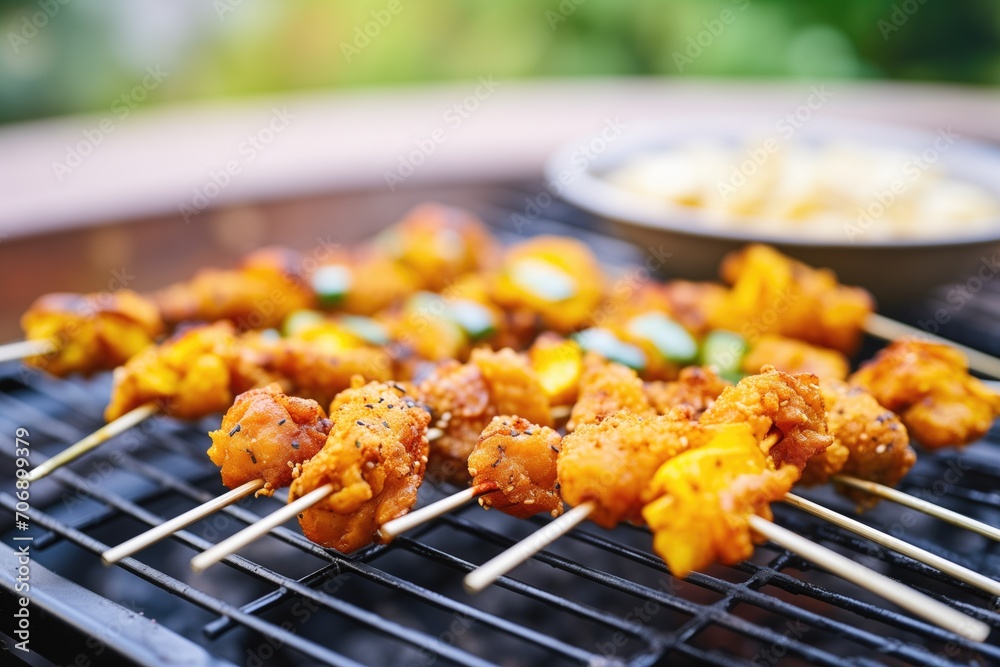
(921, 505)
(484, 575)
(913, 601)
(26, 348)
(255, 531)
(98, 437)
(393, 529)
(882, 327)
(167, 528)
(991, 586)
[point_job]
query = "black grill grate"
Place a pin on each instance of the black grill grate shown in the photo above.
(596, 597)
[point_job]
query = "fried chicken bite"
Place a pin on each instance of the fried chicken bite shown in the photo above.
(610, 463)
(264, 435)
(460, 404)
(519, 458)
(439, 244)
(928, 385)
(699, 502)
(696, 389)
(693, 304)
(774, 294)
(269, 285)
(607, 387)
(192, 374)
(875, 444)
(91, 332)
(776, 402)
(513, 385)
(556, 278)
(374, 458)
(795, 357)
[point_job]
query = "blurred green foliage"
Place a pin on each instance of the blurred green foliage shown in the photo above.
(65, 56)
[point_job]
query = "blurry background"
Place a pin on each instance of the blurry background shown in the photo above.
(68, 56)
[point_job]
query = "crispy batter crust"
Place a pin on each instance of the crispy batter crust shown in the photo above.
(513, 385)
(606, 388)
(795, 357)
(928, 385)
(264, 434)
(374, 456)
(520, 459)
(696, 389)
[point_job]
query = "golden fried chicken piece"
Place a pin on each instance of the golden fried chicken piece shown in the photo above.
(264, 435)
(696, 388)
(313, 370)
(610, 463)
(91, 332)
(795, 357)
(928, 385)
(699, 502)
(605, 388)
(374, 458)
(192, 374)
(556, 278)
(377, 282)
(267, 288)
(693, 304)
(775, 402)
(519, 458)
(875, 442)
(774, 294)
(439, 244)
(513, 385)
(459, 400)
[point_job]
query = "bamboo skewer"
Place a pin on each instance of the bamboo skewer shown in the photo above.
(255, 531)
(921, 505)
(964, 574)
(905, 597)
(95, 439)
(26, 348)
(393, 529)
(167, 528)
(484, 575)
(887, 329)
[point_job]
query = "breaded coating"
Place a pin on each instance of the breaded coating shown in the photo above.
(193, 373)
(607, 387)
(774, 294)
(700, 501)
(696, 389)
(874, 438)
(693, 304)
(795, 357)
(264, 435)
(513, 385)
(374, 457)
(440, 244)
(91, 332)
(519, 458)
(267, 288)
(377, 282)
(459, 401)
(928, 385)
(610, 463)
(312, 371)
(775, 402)
(554, 277)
